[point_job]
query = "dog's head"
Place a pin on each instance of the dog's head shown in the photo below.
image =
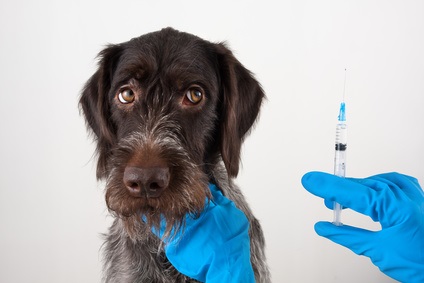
(164, 108)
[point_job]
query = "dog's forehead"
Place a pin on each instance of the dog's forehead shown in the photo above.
(171, 52)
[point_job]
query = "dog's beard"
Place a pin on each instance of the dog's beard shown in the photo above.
(186, 193)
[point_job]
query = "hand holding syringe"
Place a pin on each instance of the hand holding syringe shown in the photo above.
(398, 248)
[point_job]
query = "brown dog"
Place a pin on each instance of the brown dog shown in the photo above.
(169, 112)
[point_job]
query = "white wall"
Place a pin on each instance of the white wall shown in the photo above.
(52, 211)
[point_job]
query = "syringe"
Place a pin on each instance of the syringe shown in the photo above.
(340, 157)
(340, 154)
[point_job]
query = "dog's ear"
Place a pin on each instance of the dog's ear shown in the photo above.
(95, 106)
(241, 98)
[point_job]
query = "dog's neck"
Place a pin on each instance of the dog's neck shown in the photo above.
(220, 178)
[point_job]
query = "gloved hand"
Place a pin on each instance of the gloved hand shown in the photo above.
(396, 201)
(215, 247)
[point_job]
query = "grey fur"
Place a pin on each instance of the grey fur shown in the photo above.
(143, 259)
(139, 256)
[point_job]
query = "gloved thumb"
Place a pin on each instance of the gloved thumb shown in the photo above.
(358, 240)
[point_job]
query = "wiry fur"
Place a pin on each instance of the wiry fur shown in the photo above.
(198, 144)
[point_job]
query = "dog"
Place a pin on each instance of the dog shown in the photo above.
(169, 112)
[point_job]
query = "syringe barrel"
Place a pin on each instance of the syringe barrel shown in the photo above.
(341, 133)
(340, 150)
(340, 164)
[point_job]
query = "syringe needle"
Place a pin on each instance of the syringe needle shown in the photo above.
(344, 86)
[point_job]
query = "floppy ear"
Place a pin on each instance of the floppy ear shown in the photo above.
(241, 98)
(95, 106)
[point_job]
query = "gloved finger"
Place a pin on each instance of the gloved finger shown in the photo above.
(358, 240)
(407, 184)
(383, 186)
(396, 197)
(349, 193)
(329, 203)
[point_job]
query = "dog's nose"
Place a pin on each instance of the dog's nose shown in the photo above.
(146, 182)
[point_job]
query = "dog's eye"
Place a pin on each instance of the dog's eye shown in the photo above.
(194, 95)
(126, 96)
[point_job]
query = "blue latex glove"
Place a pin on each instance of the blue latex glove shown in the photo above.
(215, 247)
(396, 201)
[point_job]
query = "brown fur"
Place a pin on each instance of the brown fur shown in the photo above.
(161, 129)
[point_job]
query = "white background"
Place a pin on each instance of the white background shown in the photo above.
(52, 210)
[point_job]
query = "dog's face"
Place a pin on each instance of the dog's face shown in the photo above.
(164, 108)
